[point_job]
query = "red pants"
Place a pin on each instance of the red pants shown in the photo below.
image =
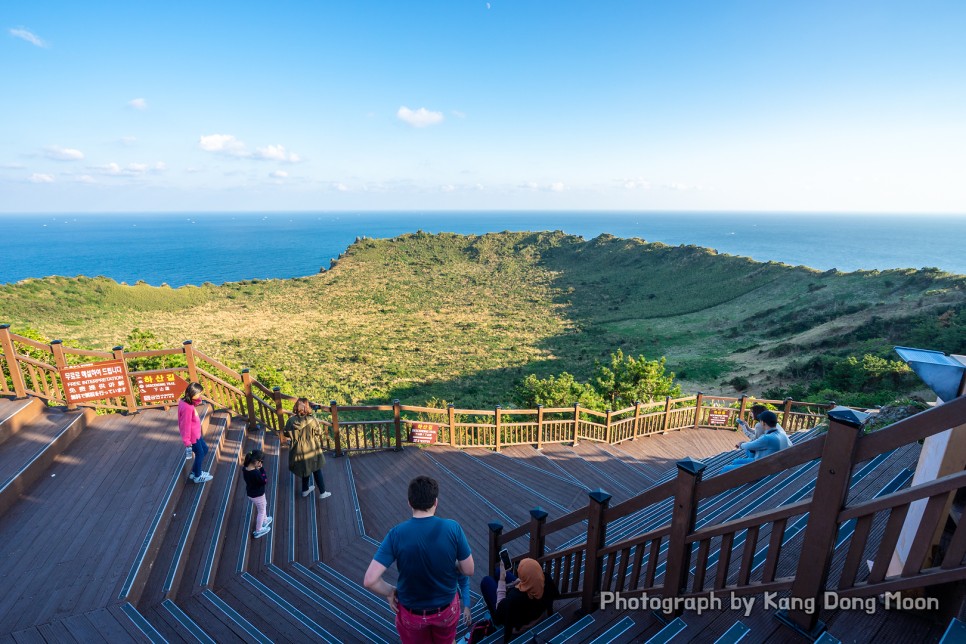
(438, 628)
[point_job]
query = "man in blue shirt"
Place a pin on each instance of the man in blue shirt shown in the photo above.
(430, 553)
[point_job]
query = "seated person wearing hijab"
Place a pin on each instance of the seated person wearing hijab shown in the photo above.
(518, 601)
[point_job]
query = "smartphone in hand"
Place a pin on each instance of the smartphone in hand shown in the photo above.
(505, 559)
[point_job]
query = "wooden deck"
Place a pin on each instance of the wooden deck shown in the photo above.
(81, 564)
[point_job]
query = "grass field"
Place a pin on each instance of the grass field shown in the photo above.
(464, 318)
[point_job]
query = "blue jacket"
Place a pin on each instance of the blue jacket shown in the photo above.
(774, 440)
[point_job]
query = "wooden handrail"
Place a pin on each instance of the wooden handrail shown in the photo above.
(938, 486)
(30, 343)
(757, 519)
(915, 428)
(88, 353)
(231, 372)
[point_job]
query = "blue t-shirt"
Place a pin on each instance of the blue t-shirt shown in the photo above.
(425, 551)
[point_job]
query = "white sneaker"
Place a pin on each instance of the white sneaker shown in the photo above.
(325, 495)
(203, 478)
(261, 533)
(189, 454)
(267, 522)
(309, 491)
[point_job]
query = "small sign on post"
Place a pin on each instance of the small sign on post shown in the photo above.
(719, 417)
(423, 433)
(89, 382)
(161, 387)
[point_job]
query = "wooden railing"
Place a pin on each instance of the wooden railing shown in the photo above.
(678, 559)
(33, 368)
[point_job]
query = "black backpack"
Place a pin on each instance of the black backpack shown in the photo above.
(481, 629)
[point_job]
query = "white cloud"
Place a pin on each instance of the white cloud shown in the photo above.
(636, 184)
(419, 118)
(58, 153)
(448, 188)
(228, 145)
(680, 186)
(458, 114)
(557, 186)
(12, 166)
(225, 144)
(276, 153)
(341, 187)
(36, 177)
(130, 170)
(84, 178)
(26, 34)
(278, 174)
(128, 140)
(138, 103)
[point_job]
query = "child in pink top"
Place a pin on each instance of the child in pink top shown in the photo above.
(189, 424)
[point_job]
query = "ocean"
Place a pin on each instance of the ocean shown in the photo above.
(192, 248)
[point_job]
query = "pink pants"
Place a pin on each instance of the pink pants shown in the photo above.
(438, 628)
(259, 503)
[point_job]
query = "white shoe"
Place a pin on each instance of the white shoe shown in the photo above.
(267, 522)
(325, 495)
(309, 491)
(261, 533)
(203, 478)
(189, 454)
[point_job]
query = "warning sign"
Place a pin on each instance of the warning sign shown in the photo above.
(95, 382)
(423, 433)
(161, 387)
(719, 417)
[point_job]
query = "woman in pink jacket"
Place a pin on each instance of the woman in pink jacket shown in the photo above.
(189, 424)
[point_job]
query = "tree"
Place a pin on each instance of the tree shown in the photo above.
(562, 391)
(629, 379)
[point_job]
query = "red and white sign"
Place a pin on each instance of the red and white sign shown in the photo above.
(423, 433)
(95, 382)
(719, 417)
(161, 387)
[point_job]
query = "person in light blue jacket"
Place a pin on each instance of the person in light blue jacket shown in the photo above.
(773, 440)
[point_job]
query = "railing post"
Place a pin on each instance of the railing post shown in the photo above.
(132, 405)
(786, 412)
(397, 423)
(496, 531)
(608, 425)
(742, 408)
(499, 409)
(249, 399)
(667, 413)
(451, 418)
(10, 355)
(60, 361)
(596, 536)
(334, 412)
(682, 524)
(539, 427)
(538, 518)
(831, 490)
(279, 412)
(576, 421)
(698, 401)
(189, 358)
(637, 419)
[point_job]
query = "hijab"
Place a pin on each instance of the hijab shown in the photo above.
(531, 578)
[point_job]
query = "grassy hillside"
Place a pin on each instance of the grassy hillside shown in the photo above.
(465, 318)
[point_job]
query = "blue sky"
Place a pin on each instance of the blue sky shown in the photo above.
(638, 105)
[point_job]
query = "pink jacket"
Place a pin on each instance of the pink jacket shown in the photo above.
(189, 423)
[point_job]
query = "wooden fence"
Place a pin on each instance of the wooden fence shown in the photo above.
(674, 559)
(33, 368)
